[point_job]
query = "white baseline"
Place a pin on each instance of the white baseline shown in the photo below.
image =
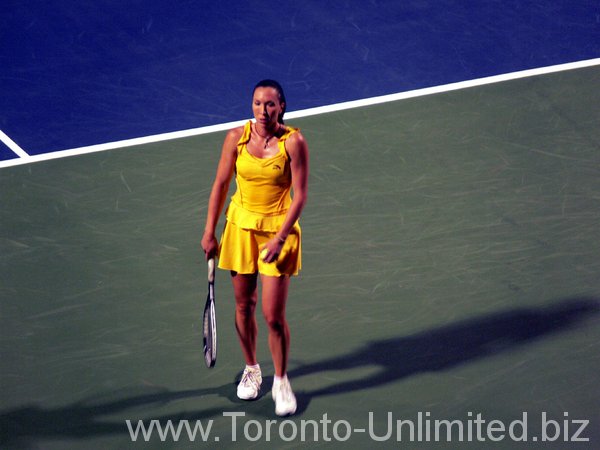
(26, 159)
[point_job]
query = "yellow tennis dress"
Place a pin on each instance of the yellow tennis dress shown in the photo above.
(257, 211)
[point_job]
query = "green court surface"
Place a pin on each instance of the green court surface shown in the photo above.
(451, 269)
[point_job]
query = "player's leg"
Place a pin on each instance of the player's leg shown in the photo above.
(274, 298)
(245, 292)
(246, 296)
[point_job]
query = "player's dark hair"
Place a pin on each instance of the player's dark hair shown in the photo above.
(275, 85)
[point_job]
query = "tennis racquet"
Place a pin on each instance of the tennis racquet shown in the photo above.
(210, 320)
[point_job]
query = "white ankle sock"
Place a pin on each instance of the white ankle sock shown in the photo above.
(253, 367)
(277, 380)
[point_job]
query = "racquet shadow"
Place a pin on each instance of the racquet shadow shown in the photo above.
(446, 347)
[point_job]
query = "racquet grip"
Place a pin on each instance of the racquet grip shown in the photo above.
(211, 270)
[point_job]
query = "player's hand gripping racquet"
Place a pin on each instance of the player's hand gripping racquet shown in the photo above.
(210, 320)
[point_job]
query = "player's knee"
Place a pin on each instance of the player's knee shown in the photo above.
(245, 306)
(275, 323)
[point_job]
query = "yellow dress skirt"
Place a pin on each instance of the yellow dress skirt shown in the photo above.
(240, 249)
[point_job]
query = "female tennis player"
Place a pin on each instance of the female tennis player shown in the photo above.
(261, 235)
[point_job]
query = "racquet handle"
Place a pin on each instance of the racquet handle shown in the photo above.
(211, 270)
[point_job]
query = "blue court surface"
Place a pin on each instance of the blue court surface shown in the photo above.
(82, 73)
(450, 243)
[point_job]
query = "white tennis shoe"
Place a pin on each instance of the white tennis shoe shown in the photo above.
(285, 400)
(249, 385)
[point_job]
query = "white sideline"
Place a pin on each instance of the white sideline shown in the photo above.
(13, 145)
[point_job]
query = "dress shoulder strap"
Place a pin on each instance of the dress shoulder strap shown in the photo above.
(245, 138)
(288, 132)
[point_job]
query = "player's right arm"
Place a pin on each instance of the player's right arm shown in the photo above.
(219, 190)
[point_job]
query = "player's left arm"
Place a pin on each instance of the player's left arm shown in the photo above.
(297, 149)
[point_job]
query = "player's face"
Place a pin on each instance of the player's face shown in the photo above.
(266, 106)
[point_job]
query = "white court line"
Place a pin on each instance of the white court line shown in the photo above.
(13, 146)
(25, 159)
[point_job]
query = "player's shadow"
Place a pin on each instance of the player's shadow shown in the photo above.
(397, 358)
(446, 347)
(23, 427)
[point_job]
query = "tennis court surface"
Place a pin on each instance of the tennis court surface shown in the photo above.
(451, 262)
